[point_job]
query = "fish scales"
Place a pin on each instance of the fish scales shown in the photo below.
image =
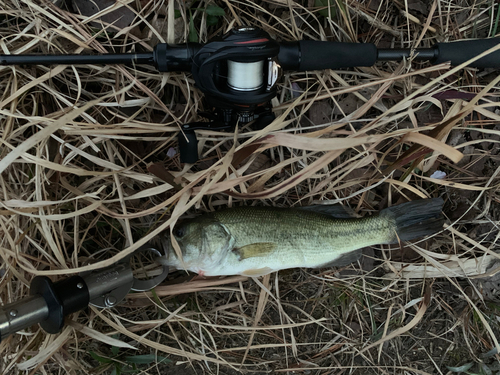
(257, 240)
(305, 238)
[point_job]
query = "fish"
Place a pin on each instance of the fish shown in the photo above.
(254, 241)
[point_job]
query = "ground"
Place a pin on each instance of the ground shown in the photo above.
(90, 169)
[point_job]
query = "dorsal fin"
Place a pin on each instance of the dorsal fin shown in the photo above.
(336, 211)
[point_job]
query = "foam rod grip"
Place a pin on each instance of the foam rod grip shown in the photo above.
(316, 55)
(459, 52)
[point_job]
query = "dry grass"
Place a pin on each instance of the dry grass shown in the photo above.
(77, 142)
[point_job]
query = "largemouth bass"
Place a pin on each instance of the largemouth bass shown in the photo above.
(254, 241)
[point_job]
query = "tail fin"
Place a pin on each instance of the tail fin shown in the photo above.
(416, 219)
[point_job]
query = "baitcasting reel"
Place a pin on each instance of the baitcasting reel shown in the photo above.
(238, 72)
(238, 76)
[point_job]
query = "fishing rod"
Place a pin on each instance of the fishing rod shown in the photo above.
(49, 303)
(239, 72)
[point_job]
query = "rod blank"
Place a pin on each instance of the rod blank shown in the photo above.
(118, 58)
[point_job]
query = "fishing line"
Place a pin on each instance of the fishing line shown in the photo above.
(245, 76)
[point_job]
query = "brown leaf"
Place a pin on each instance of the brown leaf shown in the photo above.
(416, 153)
(320, 113)
(121, 17)
(347, 105)
(159, 171)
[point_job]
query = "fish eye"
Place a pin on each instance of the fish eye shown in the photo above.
(179, 232)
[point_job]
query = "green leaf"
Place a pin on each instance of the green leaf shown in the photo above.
(494, 32)
(493, 351)
(129, 370)
(485, 370)
(146, 359)
(213, 10)
(330, 10)
(193, 35)
(100, 359)
(212, 20)
(101, 224)
(115, 349)
(461, 368)
(177, 13)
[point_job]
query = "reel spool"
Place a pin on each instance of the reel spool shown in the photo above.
(243, 76)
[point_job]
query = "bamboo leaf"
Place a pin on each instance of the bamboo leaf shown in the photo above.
(327, 10)
(193, 34)
(99, 358)
(146, 359)
(213, 10)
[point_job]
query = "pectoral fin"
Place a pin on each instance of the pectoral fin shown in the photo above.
(257, 272)
(259, 249)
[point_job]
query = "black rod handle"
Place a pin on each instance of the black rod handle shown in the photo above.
(459, 52)
(315, 55)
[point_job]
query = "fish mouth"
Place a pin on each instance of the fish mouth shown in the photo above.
(169, 257)
(166, 246)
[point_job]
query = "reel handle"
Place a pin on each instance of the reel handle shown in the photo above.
(188, 146)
